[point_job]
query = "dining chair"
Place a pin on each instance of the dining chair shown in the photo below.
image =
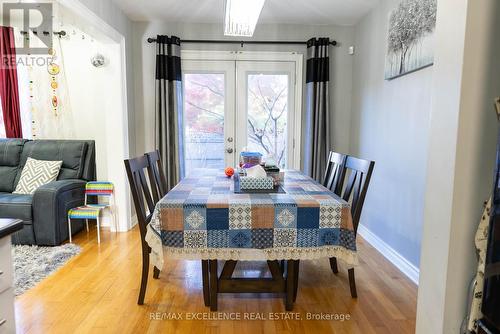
(360, 172)
(334, 172)
(156, 174)
(144, 208)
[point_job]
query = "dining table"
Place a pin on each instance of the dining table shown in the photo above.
(207, 217)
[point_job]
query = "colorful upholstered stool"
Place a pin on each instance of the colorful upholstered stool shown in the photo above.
(93, 211)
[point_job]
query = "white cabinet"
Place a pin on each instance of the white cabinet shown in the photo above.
(7, 320)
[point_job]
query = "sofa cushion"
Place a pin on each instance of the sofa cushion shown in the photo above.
(10, 155)
(16, 206)
(71, 152)
(36, 173)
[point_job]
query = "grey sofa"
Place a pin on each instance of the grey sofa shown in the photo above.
(44, 213)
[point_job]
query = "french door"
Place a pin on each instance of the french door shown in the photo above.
(209, 95)
(231, 105)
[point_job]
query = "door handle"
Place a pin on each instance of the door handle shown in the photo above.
(229, 150)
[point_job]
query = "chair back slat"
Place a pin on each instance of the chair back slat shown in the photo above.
(147, 191)
(141, 193)
(334, 173)
(99, 188)
(349, 186)
(357, 185)
(156, 174)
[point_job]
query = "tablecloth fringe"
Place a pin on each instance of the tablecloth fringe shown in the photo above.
(160, 252)
(154, 241)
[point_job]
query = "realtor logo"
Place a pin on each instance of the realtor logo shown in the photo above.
(31, 14)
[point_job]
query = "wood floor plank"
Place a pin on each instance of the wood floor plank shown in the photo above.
(96, 292)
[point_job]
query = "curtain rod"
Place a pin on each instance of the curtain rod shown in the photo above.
(60, 33)
(226, 41)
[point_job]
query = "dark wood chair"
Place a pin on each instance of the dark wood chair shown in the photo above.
(156, 174)
(334, 173)
(144, 208)
(360, 172)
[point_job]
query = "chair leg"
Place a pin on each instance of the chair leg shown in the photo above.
(156, 273)
(333, 265)
(296, 280)
(69, 230)
(290, 284)
(144, 277)
(98, 231)
(213, 284)
(352, 283)
(87, 224)
(115, 223)
(205, 280)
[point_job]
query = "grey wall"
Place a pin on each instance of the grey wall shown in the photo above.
(461, 157)
(390, 125)
(340, 76)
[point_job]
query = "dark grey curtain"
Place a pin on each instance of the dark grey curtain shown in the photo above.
(317, 132)
(168, 115)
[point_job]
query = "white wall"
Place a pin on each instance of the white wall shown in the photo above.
(390, 125)
(104, 18)
(144, 58)
(461, 157)
(87, 100)
(114, 16)
(96, 108)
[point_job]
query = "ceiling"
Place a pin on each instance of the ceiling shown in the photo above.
(341, 12)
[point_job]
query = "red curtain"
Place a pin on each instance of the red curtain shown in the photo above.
(9, 93)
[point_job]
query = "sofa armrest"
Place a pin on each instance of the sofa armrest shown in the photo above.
(51, 203)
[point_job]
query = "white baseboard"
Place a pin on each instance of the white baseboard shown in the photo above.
(405, 266)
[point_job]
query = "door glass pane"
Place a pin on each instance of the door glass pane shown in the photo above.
(203, 120)
(267, 107)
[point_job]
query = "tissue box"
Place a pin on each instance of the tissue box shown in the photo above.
(263, 183)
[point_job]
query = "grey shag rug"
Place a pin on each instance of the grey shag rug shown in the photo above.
(33, 263)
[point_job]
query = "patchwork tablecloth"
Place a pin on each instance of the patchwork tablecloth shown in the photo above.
(202, 218)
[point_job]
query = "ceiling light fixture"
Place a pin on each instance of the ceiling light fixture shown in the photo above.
(241, 17)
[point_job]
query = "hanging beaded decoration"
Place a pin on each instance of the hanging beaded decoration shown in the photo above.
(29, 66)
(54, 70)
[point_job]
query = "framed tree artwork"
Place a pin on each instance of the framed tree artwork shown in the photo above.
(410, 41)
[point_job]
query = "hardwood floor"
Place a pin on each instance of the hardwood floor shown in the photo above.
(96, 292)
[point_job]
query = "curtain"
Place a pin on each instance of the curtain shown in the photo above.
(9, 94)
(317, 132)
(168, 114)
